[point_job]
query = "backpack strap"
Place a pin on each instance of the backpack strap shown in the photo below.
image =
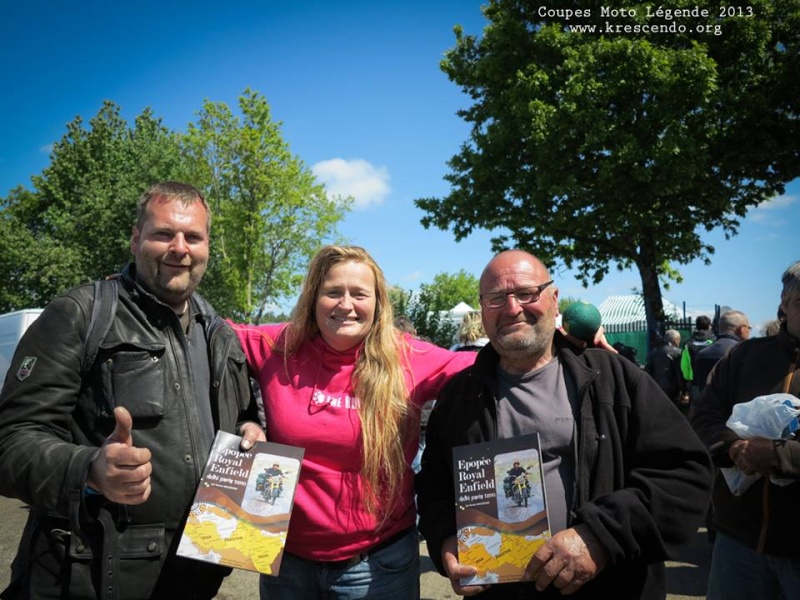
(104, 307)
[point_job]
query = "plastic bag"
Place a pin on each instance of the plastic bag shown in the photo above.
(774, 416)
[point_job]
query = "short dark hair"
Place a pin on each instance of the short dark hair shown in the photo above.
(404, 323)
(172, 190)
(702, 323)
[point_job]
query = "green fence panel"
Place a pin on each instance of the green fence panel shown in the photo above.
(635, 339)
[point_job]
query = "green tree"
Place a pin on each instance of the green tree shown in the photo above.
(270, 214)
(422, 308)
(31, 264)
(454, 288)
(75, 224)
(428, 306)
(594, 149)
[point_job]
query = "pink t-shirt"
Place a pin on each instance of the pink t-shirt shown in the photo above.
(313, 407)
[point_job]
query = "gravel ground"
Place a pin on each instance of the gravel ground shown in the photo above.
(686, 578)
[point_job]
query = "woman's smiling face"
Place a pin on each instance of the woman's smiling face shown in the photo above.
(346, 303)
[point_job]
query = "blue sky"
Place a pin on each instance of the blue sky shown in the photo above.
(357, 87)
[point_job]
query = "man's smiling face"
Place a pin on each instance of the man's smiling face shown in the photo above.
(171, 250)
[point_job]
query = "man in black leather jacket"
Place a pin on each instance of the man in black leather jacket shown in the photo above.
(109, 459)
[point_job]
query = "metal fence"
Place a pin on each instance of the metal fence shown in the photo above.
(634, 334)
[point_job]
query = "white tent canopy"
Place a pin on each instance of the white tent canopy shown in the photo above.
(461, 309)
(627, 310)
(456, 314)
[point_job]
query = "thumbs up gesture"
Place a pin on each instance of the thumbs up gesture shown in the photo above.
(121, 471)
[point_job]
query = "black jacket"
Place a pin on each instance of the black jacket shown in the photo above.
(53, 421)
(706, 358)
(699, 340)
(642, 482)
(664, 366)
(756, 367)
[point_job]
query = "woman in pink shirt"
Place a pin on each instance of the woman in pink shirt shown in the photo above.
(340, 381)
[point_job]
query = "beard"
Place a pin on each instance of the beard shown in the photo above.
(170, 289)
(534, 340)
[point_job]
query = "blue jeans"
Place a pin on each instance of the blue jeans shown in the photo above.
(390, 573)
(739, 572)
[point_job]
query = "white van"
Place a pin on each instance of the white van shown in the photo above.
(12, 326)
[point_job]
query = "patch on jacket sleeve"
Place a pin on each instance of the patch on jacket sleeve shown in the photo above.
(26, 368)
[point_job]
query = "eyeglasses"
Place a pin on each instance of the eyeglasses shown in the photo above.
(500, 299)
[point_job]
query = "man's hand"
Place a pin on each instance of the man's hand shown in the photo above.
(121, 471)
(756, 455)
(570, 559)
(455, 570)
(251, 433)
(600, 341)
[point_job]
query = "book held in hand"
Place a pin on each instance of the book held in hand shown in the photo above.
(501, 509)
(240, 513)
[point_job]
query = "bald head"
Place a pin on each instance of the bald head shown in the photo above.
(519, 306)
(513, 260)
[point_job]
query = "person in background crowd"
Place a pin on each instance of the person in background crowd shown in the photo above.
(585, 319)
(471, 336)
(109, 458)
(341, 381)
(664, 365)
(756, 555)
(404, 323)
(772, 328)
(734, 327)
(702, 336)
(626, 478)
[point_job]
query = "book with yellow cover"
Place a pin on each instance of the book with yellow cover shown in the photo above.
(501, 509)
(240, 514)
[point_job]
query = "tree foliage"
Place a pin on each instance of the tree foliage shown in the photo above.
(593, 149)
(429, 321)
(270, 214)
(75, 224)
(453, 288)
(427, 307)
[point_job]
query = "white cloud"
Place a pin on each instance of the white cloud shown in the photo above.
(413, 276)
(763, 210)
(358, 178)
(46, 149)
(778, 202)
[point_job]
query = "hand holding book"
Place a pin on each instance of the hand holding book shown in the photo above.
(570, 559)
(501, 508)
(241, 511)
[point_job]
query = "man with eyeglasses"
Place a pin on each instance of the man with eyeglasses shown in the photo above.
(734, 328)
(626, 479)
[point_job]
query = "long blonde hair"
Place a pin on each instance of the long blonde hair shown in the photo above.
(378, 380)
